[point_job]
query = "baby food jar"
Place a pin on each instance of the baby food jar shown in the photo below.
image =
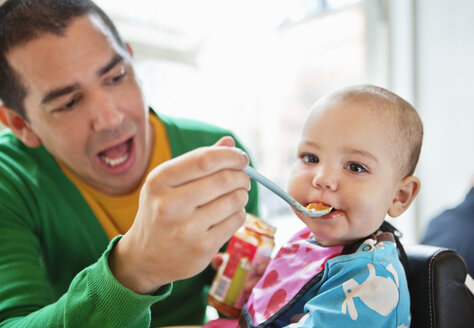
(251, 244)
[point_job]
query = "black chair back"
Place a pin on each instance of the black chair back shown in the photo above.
(437, 284)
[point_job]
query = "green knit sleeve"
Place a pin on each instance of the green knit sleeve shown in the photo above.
(94, 299)
(53, 268)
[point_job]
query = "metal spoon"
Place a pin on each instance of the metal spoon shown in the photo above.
(312, 213)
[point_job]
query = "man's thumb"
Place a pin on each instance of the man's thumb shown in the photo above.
(226, 141)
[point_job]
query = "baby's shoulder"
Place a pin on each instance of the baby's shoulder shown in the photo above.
(376, 255)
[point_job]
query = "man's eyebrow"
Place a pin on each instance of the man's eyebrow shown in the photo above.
(111, 64)
(56, 93)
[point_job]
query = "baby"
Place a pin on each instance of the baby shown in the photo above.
(358, 152)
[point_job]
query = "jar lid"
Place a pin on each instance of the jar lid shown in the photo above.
(259, 226)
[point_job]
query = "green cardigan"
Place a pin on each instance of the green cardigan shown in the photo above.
(53, 250)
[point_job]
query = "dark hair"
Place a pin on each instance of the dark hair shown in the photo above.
(24, 20)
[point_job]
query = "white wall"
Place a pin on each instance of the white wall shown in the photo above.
(433, 67)
(445, 90)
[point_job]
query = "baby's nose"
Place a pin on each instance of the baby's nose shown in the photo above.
(324, 179)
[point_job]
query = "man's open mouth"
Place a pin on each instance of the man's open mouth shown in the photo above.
(116, 155)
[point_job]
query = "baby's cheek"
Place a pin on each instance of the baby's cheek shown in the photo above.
(366, 220)
(299, 184)
(293, 187)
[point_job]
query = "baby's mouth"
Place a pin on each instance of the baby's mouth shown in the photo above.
(116, 155)
(317, 206)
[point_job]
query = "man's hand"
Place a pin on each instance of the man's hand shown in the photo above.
(189, 207)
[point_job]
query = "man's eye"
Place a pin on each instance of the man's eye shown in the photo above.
(356, 168)
(309, 158)
(69, 105)
(117, 78)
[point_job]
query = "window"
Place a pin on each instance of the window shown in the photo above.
(255, 67)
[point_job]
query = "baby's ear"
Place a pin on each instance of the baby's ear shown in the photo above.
(20, 127)
(406, 192)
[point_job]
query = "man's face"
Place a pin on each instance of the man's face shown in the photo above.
(344, 161)
(84, 104)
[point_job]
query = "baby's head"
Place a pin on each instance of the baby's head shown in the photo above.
(357, 153)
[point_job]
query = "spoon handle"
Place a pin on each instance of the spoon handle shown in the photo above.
(270, 185)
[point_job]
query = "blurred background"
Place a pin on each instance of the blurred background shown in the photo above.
(257, 66)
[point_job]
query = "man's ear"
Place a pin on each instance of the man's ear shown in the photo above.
(19, 126)
(404, 196)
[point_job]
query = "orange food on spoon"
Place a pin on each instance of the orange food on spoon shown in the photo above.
(318, 207)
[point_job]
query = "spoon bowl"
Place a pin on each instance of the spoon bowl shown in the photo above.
(312, 213)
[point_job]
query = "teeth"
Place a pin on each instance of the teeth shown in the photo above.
(114, 161)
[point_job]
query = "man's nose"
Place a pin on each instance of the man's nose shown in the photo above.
(325, 179)
(106, 115)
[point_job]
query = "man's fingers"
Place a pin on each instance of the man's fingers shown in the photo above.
(199, 163)
(208, 200)
(225, 142)
(200, 192)
(217, 261)
(218, 210)
(260, 269)
(214, 213)
(221, 232)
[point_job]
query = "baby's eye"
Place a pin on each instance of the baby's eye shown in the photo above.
(356, 168)
(309, 158)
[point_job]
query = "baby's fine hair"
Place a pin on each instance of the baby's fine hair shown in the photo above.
(407, 133)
